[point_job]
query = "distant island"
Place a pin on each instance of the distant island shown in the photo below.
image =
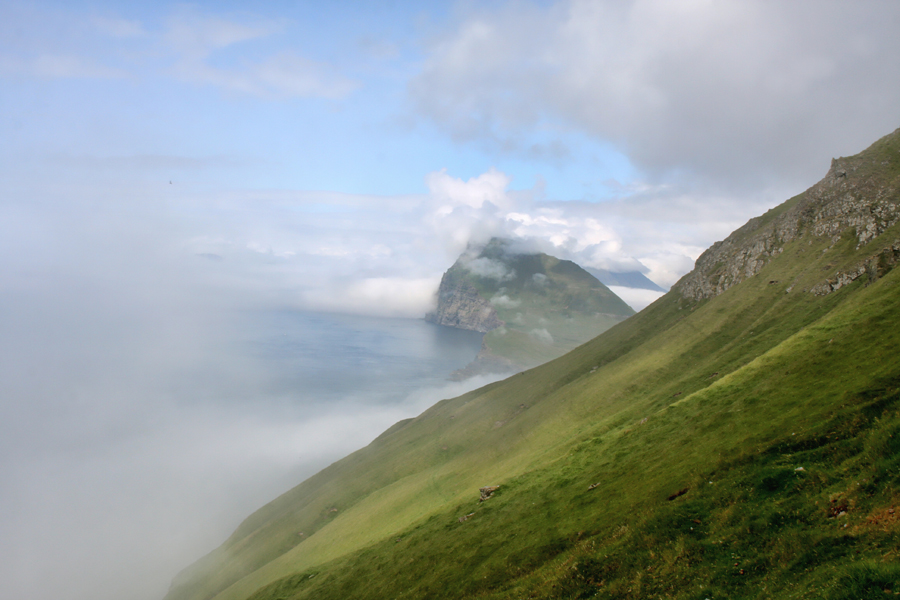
(533, 307)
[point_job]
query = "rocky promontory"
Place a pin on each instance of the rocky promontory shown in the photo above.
(859, 196)
(531, 306)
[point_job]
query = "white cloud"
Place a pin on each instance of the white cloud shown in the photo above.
(647, 232)
(240, 55)
(378, 296)
(489, 269)
(460, 212)
(119, 28)
(636, 298)
(56, 66)
(294, 76)
(745, 94)
(451, 192)
(197, 40)
(385, 255)
(378, 48)
(655, 230)
(146, 162)
(541, 335)
(504, 301)
(196, 37)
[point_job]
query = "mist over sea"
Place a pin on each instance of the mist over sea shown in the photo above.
(329, 358)
(129, 458)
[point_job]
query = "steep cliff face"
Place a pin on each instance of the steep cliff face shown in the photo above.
(858, 197)
(532, 306)
(461, 306)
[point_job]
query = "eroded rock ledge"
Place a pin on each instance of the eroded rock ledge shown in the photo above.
(854, 194)
(872, 268)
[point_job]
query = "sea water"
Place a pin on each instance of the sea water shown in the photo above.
(329, 358)
(131, 453)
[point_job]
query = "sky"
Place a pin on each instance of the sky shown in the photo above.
(164, 166)
(342, 156)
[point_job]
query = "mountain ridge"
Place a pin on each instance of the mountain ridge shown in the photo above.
(847, 197)
(533, 307)
(739, 442)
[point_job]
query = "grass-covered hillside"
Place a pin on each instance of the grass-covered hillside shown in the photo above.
(533, 306)
(742, 445)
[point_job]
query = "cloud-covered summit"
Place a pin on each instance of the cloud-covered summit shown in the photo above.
(384, 255)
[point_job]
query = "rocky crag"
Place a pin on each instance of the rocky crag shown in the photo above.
(859, 196)
(532, 307)
(461, 306)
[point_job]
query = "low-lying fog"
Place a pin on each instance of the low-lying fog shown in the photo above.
(141, 441)
(172, 359)
(146, 410)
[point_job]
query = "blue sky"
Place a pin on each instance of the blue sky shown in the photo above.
(189, 83)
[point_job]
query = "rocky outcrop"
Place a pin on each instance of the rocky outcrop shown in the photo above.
(872, 268)
(461, 306)
(858, 193)
(487, 491)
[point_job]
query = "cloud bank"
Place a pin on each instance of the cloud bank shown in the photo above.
(734, 92)
(140, 417)
(385, 255)
(195, 47)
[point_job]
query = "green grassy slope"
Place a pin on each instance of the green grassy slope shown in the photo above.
(743, 446)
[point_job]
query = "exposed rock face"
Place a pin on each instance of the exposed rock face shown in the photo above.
(487, 491)
(461, 306)
(873, 268)
(854, 194)
(532, 307)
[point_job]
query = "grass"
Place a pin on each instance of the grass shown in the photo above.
(746, 446)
